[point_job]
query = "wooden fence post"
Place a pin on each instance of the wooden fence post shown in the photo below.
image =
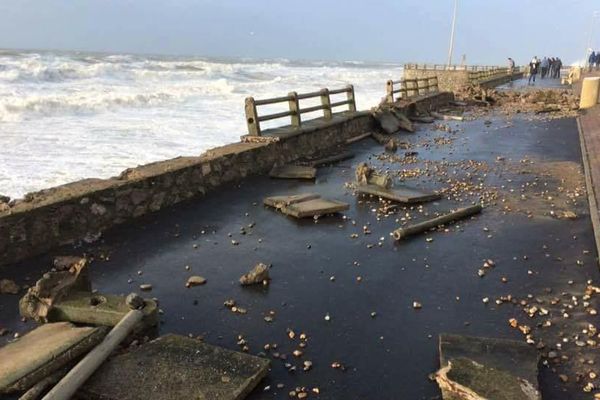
(326, 103)
(351, 99)
(252, 117)
(295, 109)
(389, 88)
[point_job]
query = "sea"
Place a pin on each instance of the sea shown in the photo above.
(66, 116)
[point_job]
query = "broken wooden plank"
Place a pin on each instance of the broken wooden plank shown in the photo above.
(176, 367)
(43, 351)
(487, 368)
(435, 222)
(400, 194)
(283, 201)
(293, 172)
(315, 207)
(332, 159)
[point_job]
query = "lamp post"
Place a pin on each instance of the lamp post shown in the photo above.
(452, 34)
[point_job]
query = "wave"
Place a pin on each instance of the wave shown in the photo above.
(16, 108)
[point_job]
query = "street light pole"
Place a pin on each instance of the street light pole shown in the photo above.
(589, 49)
(452, 34)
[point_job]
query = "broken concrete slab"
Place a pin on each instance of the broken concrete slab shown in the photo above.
(176, 367)
(70, 274)
(366, 175)
(283, 201)
(315, 207)
(305, 205)
(400, 194)
(43, 351)
(100, 309)
(388, 121)
(475, 368)
(293, 172)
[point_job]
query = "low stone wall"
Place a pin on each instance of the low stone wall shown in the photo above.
(453, 80)
(65, 214)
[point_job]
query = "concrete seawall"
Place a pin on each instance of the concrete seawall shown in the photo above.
(72, 212)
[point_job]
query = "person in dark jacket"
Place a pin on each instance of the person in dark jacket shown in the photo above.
(591, 60)
(533, 69)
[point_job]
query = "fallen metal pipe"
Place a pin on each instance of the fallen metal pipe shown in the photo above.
(87, 366)
(410, 230)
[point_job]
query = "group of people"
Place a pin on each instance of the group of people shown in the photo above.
(594, 60)
(547, 67)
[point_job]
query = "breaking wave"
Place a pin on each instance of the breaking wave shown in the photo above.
(117, 111)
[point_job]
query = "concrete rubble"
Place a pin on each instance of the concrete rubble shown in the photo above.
(257, 275)
(293, 172)
(475, 368)
(43, 351)
(176, 367)
(305, 205)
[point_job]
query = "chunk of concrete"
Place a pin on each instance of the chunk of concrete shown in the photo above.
(331, 159)
(475, 368)
(399, 194)
(257, 275)
(43, 351)
(176, 367)
(283, 201)
(305, 205)
(70, 274)
(100, 309)
(293, 172)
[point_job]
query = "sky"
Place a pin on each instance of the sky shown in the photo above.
(487, 31)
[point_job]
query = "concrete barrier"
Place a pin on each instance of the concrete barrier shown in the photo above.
(590, 89)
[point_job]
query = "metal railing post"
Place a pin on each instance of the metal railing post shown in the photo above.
(252, 117)
(294, 109)
(326, 103)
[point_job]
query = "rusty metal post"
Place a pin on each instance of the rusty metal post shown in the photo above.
(252, 117)
(326, 103)
(295, 109)
(389, 88)
(351, 98)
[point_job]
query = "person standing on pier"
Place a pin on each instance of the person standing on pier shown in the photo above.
(591, 61)
(533, 69)
(545, 64)
(511, 67)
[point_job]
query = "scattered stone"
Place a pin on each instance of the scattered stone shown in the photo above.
(8, 286)
(134, 301)
(146, 287)
(195, 280)
(258, 275)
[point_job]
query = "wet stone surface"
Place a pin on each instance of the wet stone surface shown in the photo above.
(338, 317)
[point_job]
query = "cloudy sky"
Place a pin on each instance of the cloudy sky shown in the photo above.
(375, 30)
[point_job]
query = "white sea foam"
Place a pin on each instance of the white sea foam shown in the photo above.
(68, 116)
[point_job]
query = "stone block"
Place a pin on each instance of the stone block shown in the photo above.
(99, 309)
(176, 367)
(42, 351)
(398, 194)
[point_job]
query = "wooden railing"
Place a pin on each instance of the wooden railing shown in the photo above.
(410, 87)
(295, 112)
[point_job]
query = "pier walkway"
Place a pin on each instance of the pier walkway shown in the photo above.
(348, 287)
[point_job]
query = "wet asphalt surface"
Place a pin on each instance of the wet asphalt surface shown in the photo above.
(390, 355)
